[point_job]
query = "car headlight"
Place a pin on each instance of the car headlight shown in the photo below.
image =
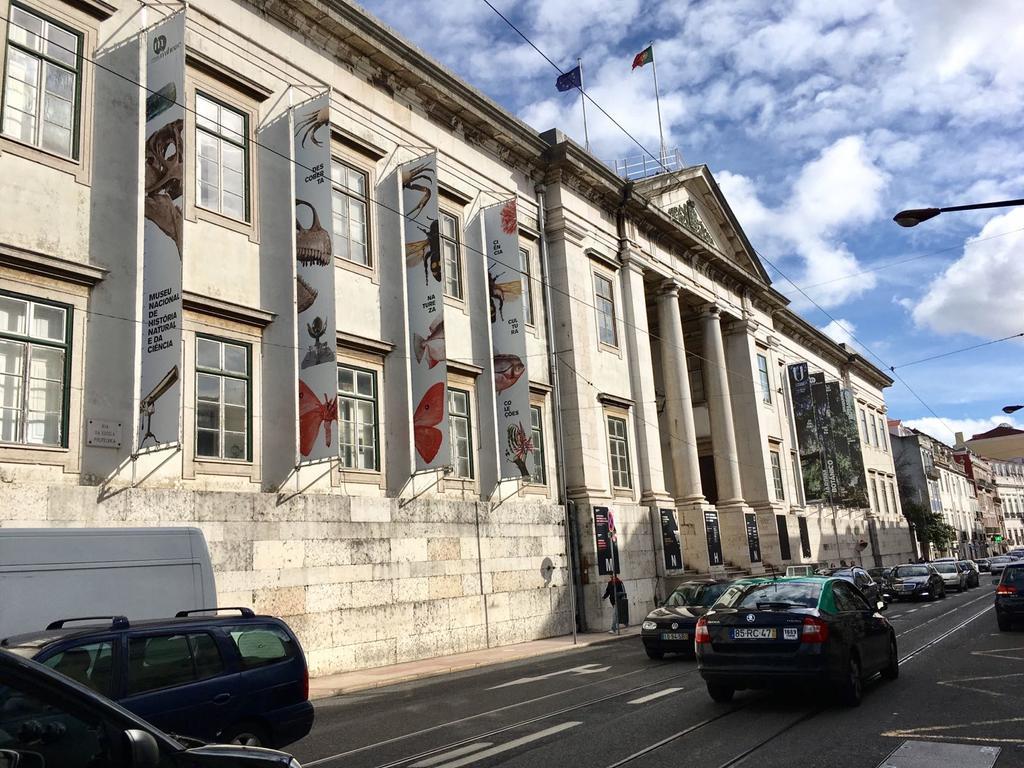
(294, 764)
(650, 625)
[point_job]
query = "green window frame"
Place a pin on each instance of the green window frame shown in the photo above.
(766, 384)
(35, 370)
(358, 422)
(350, 212)
(776, 459)
(42, 85)
(451, 255)
(223, 389)
(540, 475)
(222, 157)
(618, 452)
(460, 425)
(604, 304)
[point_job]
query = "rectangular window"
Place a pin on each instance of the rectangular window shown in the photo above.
(164, 661)
(223, 387)
(892, 499)
(537, 438)
(882, 434)
(451, 253)
(222, 158)
(461, 433)
(259, 646)
(780, 493)
(805, 537)
(42, 82)
(357, 418)
(883, 498)
(798, 481)
(872, 495)
(524, 266)
(864, 427)
(34, 357)
(618, 450)
(766, 384)
(695, 373)
(874, 430)
(604, 302)
(350, 207)
(90, 664)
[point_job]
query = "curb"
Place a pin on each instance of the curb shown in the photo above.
(316, 695)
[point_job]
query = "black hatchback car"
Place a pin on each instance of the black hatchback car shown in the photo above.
(872, 590)
(670, 627)
(809, 630)
(240, 679)
(1010, 596)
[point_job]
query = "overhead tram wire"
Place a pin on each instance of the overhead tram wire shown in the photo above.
(958, 351)
(675, 174)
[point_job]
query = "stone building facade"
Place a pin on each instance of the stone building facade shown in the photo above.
(656, 345)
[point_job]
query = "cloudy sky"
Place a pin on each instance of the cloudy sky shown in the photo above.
(820, 121)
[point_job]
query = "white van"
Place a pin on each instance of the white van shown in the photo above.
(48, 574)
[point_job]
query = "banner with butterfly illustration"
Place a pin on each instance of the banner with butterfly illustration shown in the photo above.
(425, 297)
(163, 230)
(316, 327)
(508, 341)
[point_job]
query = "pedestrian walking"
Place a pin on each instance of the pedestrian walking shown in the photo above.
(614, 592)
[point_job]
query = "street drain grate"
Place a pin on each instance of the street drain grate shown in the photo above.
(928, 754)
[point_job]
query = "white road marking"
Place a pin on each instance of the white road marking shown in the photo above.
(510, 745)
(999, 653)
(653, 696)
(586, 669)
(958, 682)
(451, 754)
(943, 636)
(933, 732)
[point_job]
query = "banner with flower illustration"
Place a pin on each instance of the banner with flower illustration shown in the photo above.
(425, 298)
(316, 326)
(508, 342)
(163, 229)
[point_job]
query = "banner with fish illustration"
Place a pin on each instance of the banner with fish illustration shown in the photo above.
(163, 226)
(315, 325)
(425, 297)
(508, 341)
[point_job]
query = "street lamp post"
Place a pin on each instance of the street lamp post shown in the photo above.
(1012, 408)
(914, 216)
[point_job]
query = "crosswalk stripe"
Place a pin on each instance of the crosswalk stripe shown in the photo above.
(653, 696)
(451, 755)
(514, 744)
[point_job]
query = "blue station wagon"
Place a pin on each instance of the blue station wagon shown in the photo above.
(238, 679)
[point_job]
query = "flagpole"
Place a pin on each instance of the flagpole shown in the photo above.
(583, 101)
(657, 101)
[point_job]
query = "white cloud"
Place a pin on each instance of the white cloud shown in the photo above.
(841, 331)
(946, 429)
(982, 292)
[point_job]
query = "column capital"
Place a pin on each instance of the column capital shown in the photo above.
(669, 288)
(710, 310)
(632, 261)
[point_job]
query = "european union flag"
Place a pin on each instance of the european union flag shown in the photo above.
(568, 81)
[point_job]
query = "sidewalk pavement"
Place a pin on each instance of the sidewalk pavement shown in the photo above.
(377, 677)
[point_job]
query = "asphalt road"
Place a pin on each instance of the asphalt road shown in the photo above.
(958, 703)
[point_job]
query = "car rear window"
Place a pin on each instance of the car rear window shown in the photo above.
(262, 644)
(946, 567)
(1014, 577)
(803, 594)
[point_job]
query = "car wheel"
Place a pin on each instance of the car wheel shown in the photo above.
(892, 670)
(852, 690)
(1004, 623)
(246, 734)
(720, 693)
(653, 654)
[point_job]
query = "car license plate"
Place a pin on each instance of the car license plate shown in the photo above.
(906, 587)
(674, 636)
(753, 633)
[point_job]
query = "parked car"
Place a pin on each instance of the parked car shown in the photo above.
(818, 631)
(239, 679)
(996, 565)
(915, 580)
(971, 573)
(48, 720)
(862, 580)
(952, 575)
(1016, 554)
(982, 563)
(1010, 596)
(669, 628)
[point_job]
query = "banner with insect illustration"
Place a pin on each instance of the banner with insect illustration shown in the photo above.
(163, 227)
(316, 327)
(425, 297)
(508, 341)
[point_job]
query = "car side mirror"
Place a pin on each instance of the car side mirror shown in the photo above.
(880, 605)
(142, 749)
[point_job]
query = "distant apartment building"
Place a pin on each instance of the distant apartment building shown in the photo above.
(1009, 480)
(1001, 442)
(990, 508)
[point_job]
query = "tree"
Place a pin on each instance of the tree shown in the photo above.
(930, 526)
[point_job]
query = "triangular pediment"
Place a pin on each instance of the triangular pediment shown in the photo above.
(693, 199)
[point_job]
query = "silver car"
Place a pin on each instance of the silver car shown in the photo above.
(996, 565)
(952, 576)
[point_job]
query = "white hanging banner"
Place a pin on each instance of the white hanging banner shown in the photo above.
(316, 326)
(508, 342)
(163, 227)
(425, 297)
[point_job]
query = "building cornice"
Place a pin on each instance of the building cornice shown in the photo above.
(226, 310)
(54, 267)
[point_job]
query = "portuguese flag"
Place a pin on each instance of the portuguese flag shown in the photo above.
(646, 56)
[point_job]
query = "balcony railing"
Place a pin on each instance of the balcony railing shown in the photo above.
(642, 166)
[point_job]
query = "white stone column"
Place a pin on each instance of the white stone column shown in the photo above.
(678, 401)
(723, 430)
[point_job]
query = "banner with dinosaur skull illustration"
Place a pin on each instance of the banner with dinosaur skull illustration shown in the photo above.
(425, 297)
(160, 353)
(315, 325)
(508, 341)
